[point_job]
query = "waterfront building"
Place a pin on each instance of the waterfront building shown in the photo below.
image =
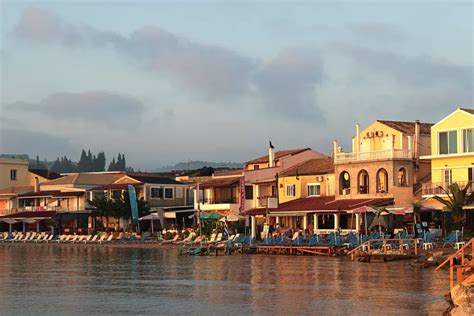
(452, 154)
(169, 198)
(13, 172)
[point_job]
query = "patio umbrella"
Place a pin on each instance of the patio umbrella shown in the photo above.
(211, 216)
(363, 210)
(150, 217)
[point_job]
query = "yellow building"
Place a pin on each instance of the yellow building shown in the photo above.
(311, 178)
(13, 172)
(452, 151)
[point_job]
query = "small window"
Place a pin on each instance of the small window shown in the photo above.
(13, 175)
(290, 190)
(168, 193)
(256, 167)
(448, 142)
(249, 192)
(402, 177)
(314, 189)
(448, 176)
(179, 193)
(156, 193)
(468, 140)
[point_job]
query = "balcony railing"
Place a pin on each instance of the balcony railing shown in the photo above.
(219, 201)
(267, 201)
(436, 188)
(373, 155)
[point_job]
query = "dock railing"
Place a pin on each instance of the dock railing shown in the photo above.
(463, 267)
(386, 243)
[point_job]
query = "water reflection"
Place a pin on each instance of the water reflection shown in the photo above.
(77, 279)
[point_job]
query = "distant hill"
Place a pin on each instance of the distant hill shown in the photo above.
(193, 165)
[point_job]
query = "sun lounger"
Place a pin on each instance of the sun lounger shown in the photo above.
(73, 239)
(103, 236)
(109, 239)
(175, 238)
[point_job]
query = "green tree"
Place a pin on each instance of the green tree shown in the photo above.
(457, 198)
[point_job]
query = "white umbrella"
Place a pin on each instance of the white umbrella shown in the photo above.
(150, 217)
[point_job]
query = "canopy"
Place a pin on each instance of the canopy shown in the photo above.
(363, 209)
(210, 216)
(10, 220)
(150, 217)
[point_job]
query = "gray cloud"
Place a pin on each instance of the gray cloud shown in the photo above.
(288, 84)
(421, 70)
(375, 31)
(98, 106)
(23, 141)
(213, 71)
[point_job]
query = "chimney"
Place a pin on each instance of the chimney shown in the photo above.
(357, 148)
(417, 139)
(37, 187)
(271, 155)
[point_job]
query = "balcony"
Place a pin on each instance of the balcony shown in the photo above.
(267, 201)
(373, 155)
(436, 188)
(211, 204)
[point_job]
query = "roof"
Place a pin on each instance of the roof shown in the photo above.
(311, 167)
(17, 190)
(220, 182)
(278, 155)
(228, 172)
(471, 111)
(82, 179)
(329, 203)
(45, 173)
(30, 214)
(408, 127)
(154, 179)
(51, 193)
(114, 186)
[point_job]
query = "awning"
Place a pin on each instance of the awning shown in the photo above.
(210, 216)
(150, 217)
(361, 210)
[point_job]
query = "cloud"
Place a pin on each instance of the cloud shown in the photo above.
(212, 71)
(375, 31)
(23, 141)
(288, 84)
(99, 106)
(420, 70)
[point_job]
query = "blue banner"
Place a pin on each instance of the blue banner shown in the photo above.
(133, 204)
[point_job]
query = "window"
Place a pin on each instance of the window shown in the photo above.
(402, 177)
(448, 176)
(179, 193)
(468, 140)
(249, 192)
(156, 193)
(290, 190)
(13, 175)
(168, 193)
(363, 182)
(470, 174)
(448, 142)
(256, 167)
(344, 183)
(382, 181)
(314, 189)
(116, 194)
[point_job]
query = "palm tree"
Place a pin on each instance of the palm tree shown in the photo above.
(458, 197)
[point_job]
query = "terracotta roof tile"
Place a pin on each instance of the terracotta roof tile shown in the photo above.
(311, 167)
(45, 173)
(278, 155)
(328, 203)
(220, 182)
(408, 127)
(467, 110)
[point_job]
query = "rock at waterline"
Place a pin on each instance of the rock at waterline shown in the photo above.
(462, 296)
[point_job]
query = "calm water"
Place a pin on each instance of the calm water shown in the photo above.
(83, 280)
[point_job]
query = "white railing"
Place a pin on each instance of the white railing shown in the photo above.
(438, 188)
(267, 201)
(374, 155)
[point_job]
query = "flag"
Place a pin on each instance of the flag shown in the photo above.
(133, 204)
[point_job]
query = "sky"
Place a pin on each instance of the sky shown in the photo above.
(165, 82)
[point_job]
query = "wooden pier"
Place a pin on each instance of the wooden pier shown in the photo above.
(386, 249)
(299, 250)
